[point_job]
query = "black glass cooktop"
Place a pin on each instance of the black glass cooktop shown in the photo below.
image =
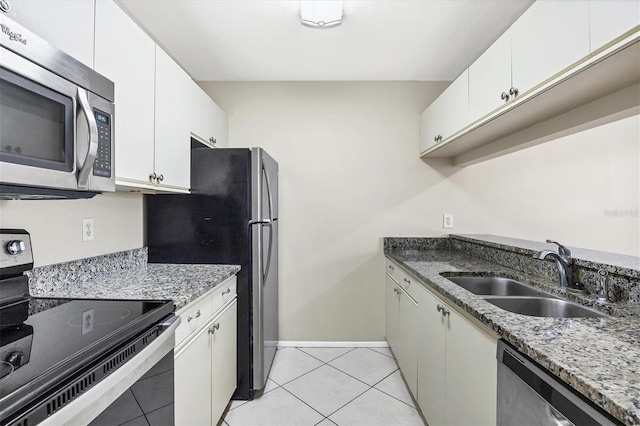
(44, 341)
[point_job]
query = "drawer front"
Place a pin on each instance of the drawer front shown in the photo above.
(225, 292)
(194, 315)
(392, 269)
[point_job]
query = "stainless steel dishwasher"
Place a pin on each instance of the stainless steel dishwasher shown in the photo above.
(530, 396)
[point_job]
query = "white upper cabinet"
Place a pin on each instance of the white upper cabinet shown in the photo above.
(610, 19)
(67, 25)
(447, 114)
(126, 55)
(208, 120)
(172, 107)
(489, 78)
(549, 37)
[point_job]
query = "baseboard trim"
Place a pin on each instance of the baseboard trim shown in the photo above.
(340, 344)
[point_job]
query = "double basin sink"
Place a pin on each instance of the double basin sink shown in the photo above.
(514, 296)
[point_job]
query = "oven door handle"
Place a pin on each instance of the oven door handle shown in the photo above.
(94, 401)
(92, 151)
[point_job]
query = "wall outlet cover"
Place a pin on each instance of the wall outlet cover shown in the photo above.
(87, 229)
(447, 220)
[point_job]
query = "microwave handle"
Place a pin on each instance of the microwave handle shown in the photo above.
(87, 165)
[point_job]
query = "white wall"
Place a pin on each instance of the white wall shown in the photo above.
(350, 174)
(56, 225)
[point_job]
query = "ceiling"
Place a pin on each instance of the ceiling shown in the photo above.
(378, 40)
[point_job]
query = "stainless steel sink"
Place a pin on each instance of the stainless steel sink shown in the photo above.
(544, 307)
(496, 286)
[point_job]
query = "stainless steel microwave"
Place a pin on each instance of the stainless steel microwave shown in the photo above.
(56, 121)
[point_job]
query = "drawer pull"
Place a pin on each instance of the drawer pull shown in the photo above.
(407, 280)
(214, 327)
(226, 291)
(189, 318)
(445, 312)
(392, 268)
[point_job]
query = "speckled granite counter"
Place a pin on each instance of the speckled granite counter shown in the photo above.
(127, 275)
(598, 357)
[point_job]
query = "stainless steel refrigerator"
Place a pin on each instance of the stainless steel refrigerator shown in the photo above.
(230, 217)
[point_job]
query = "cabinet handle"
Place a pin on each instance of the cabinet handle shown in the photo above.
(407, 281)
(214, 327)
(196, 316)
(226, 291)
(504, 96)
(212, 140)
(392, 268)
(152, 177)
(437, 139)
(513, 91)
(161, 178)
(443, 310)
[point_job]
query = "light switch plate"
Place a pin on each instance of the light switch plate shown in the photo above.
(447, 220)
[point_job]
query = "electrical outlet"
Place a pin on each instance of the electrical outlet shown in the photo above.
(87, 229)
(447, 220)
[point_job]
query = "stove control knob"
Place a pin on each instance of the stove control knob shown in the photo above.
(16, 358)
(15, 247)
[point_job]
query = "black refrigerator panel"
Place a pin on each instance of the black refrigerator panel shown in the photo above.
(211, 226)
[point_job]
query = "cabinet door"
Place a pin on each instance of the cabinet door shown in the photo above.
(391, 312)
(208, 120)
(548, 37)
(126, 55)
(609, 19)
(407, 353)
(172, 135)
(223, 360)
(431, 359)
(193, 381)
(67, 25)
(471, 373)
(447, 114)
(489, 77)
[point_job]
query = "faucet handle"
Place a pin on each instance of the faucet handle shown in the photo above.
(562, 250)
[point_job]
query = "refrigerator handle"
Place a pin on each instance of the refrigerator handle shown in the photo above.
(266, 272)
(266, 179)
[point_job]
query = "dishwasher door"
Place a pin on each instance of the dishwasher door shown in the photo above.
(530, 396)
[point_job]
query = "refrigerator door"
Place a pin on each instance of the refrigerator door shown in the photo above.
(264, 233)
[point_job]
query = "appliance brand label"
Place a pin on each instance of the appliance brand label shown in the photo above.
(13, 36)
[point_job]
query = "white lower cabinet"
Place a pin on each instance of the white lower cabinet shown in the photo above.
(401, 322)
(205, 360)
(448, 362)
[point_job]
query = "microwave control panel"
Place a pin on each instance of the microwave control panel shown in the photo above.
(102, 164)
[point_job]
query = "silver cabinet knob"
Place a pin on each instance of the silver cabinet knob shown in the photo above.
(189, 318)
(226, 291)
(212, 140)
(214, 327)
(392, 268)
(152, 177)
(161, 178)
(407, 280)
(15, 247)
(513, 91)
(504, 96)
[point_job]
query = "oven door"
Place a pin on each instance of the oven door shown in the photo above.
(49, 137)
(140, 391)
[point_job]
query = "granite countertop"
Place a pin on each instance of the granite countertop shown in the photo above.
(598, 357)
(181, 283)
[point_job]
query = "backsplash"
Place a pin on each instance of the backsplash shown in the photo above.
(58, 276)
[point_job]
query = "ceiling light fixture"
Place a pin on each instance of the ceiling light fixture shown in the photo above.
(321, 13)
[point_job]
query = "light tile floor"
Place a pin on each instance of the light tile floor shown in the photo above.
(330, 386)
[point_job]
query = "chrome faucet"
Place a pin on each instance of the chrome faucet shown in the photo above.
(563, 261)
